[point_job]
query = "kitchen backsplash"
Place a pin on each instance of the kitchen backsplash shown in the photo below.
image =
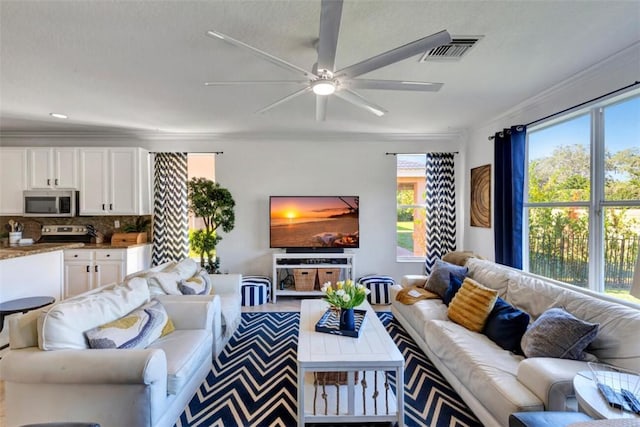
(103, 224)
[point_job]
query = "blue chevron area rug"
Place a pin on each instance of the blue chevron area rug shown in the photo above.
(253, 381)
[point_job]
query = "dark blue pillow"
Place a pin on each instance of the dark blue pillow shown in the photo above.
(506, 325)
(455, 283)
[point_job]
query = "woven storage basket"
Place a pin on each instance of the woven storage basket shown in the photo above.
(305, 278)
(333, 377)
(328, 275)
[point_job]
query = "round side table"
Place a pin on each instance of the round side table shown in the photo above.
(22, 305)
(591, 401)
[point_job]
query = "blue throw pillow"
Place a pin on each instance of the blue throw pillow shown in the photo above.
(439, 278)
(506, 325)
(455, 283)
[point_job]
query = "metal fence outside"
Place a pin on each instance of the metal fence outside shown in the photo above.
(566, 258)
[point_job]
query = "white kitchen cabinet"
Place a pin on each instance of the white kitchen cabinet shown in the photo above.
(86, 269)
(53, 168)
(114, 181)
(13, 180)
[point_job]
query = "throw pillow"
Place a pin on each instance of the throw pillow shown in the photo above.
(137, 329)
(455, 283)
(439, 279)
(471, 305)
(412, 295)
(506, 325)
(557, 333)
(458, 257)
(199, 284)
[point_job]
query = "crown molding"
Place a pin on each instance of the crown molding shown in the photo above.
(237, 136)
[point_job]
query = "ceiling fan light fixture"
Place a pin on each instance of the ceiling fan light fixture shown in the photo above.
(323, 87)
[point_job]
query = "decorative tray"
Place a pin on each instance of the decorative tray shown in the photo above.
(330, 323)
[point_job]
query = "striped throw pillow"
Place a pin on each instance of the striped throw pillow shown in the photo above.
(472, 304)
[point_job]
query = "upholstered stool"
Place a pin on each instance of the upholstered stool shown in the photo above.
(256, 290)
(379, 287)
(546, 419)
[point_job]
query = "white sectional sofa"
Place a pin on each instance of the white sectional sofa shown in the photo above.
(495, 382)
(51, 374)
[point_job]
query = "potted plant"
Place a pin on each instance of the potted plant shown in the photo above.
(215, 205)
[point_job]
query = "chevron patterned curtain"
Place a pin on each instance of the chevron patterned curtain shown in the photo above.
(440, 199)
(171, 221)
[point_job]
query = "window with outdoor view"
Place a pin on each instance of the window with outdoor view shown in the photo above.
(199, 165)
(583, 207)
(410, 192)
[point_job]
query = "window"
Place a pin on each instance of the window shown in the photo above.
(410, 192)
(199, 165)
(583, 188)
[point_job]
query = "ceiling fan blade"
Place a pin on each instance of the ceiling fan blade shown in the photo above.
(357, 100)
(331, 12)
(395, 55)
(321, 108)
(256, 82)
(285, 99)
(273, 59)
(392, 85)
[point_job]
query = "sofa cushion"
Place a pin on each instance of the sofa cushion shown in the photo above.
(416, 314)
(557, 333)
(63, 326)
(439, 279)
(185, 268)
(137, 329)
(186, 351)
(492, 276)
(506, 325)
(485, 369)
(472, 304)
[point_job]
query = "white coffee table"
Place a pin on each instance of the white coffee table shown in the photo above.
(373, 355)
(591, 401)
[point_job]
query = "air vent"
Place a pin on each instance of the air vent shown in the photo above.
(458, 47)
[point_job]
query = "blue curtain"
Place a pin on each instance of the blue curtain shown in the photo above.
(509, 164)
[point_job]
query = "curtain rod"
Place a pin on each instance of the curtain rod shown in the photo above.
(395, 154)
(191, 152)
(636, 83)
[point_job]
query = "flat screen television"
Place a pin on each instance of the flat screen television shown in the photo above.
(314, 223)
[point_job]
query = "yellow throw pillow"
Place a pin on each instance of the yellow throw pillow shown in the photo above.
(472, 305)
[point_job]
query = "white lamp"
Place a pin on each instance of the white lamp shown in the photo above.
(323, 87)
(635, 286)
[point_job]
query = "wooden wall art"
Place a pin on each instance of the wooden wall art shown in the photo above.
(481, 196)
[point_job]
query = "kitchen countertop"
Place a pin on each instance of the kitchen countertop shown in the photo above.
(39, 248)
(36, 248)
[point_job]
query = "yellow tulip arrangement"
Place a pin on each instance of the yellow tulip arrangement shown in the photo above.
(345, 294)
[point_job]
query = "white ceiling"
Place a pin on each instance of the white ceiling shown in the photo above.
(139, 66)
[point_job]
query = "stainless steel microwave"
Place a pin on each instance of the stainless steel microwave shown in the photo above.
(53, 203)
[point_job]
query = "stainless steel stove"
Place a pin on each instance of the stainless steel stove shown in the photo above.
(64, 234)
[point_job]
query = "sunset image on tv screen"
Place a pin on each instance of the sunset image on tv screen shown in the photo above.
(312, 222)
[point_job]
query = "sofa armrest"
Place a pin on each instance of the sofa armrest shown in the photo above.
(192, 311)
(414, 280)
(550, 379)
(226, 283)
(34, 366)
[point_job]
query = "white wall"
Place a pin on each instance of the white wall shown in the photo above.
(253, 171)
(620, 70)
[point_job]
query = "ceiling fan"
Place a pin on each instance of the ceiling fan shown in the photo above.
(325, 80)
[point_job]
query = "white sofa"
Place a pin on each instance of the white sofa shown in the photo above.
(147, 387)
(227, 307)
(494, 382)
